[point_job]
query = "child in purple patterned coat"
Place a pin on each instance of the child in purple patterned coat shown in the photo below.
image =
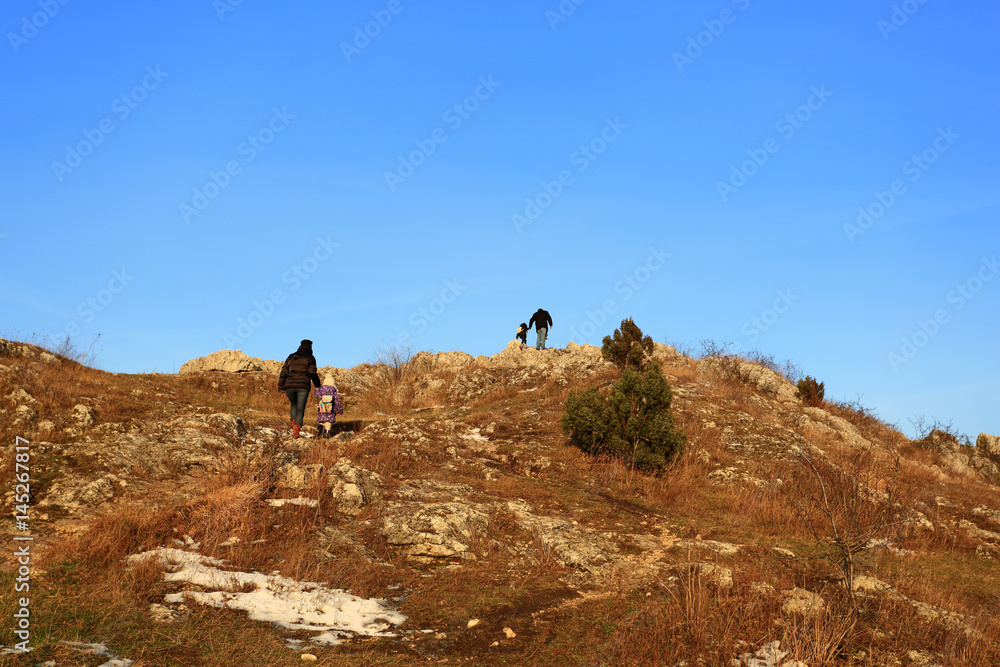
(329, 406)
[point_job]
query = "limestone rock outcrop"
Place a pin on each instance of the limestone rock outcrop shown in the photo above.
(989, 445)
(765, 380)
(962, 458)
(229, 361)
(439, 530)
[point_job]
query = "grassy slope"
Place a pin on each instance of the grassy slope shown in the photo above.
(86, 593)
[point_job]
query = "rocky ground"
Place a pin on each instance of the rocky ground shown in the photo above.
(457, 498)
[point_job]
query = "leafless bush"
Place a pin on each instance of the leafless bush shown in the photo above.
(923, 427)
(847, 506)
(683, 348)
(711, 348)
(787, 369)
(390, 360)
(731, 360)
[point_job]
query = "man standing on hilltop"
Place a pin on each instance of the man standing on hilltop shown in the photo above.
(297, 374)
(543, 322)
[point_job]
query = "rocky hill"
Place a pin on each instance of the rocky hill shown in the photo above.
(175, 521)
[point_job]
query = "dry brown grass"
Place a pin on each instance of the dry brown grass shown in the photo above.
(89, 593)
(682, 373)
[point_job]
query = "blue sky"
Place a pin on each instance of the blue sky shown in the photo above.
(819, 182)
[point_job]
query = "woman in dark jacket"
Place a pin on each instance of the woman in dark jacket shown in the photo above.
(298, 373)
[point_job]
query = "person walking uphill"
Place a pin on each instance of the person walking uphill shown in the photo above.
(298, 373)
(543, 322)
(329, 406)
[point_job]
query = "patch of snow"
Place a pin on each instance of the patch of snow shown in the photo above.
(86, 648)
(290, 604)
(474, 434)
(281, 502)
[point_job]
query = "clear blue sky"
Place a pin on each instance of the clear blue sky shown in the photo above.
(185, 177)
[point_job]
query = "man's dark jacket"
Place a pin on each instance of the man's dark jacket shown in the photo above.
(542, 320)
(299, 370)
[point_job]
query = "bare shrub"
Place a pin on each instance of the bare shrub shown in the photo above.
(846, 507)
(867, 421)
(391, 369)
(923, 427)
(786, 369)
(390, 360)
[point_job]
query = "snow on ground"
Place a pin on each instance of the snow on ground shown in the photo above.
(99, 650)
(281, 502)
(290, 604)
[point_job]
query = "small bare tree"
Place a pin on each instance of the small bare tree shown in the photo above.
(848, 507)
(391, 360)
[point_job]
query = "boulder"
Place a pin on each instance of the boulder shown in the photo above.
(992, 516)
(666, 355)
(716, 575)
(976, 532)
(83, 415)
(439, 530)
(989, 445)
(230, 361)
(291, 476)
(21, 397)
(847, 431)
(353, 488)
(960, 458)
(75, 492)
(800, 602)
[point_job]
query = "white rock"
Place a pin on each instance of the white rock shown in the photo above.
(231, 361)
(989, 445)
(799, 601)
(83, 415)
